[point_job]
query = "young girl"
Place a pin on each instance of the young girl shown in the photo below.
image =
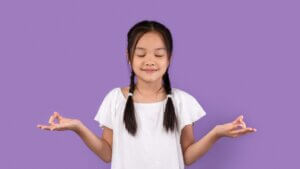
(148, 124)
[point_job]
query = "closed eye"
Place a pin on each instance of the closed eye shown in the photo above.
(155, 55)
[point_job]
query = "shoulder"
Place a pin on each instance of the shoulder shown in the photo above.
(184, 98)
(113, 93)
(118, 93)
(181, 94)
(124, 90)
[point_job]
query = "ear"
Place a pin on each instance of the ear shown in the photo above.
(127, 57)
(169, 62)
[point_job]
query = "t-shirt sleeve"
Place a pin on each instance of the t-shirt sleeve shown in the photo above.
(190, 109)
(105, 113)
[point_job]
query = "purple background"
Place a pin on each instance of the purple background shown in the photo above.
(235, 57)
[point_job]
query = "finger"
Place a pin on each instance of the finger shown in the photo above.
(40, 126)
(237, 132)
(57, 127)
(237, 126)
(56, 113)
(43, 127)
(242, 131)
(52, 128)
(243, 123)
(238, 119)
(53, 117)
(59, 117)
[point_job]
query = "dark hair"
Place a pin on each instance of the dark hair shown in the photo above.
(134, 34)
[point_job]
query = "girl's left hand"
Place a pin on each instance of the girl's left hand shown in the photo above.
(233, 129)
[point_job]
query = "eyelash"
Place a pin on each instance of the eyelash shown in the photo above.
(155, 55)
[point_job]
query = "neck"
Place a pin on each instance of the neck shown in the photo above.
(148, 89)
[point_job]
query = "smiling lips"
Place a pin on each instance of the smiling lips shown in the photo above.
(149, 70)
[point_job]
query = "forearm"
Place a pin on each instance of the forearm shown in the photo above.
(199, 148)
(99, 146)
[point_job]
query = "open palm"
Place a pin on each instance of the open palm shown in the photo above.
(63, 123)
(235, 128)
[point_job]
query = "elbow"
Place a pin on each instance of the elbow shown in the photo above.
(105, 152)
(106, 160)
(187, 161)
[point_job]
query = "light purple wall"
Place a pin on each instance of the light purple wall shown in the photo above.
(235, 57)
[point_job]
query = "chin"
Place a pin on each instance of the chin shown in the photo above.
(149, 79)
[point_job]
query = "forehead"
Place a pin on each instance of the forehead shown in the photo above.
(150, 41)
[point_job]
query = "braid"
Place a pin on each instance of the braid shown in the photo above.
(129, 113)
(167, 84)
(132, 86)
(170, 119)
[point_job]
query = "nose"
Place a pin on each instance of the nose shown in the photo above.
(149, 61)
(149, 64)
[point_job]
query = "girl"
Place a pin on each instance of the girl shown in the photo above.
(148, 124)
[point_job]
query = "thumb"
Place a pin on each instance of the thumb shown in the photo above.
(238, 119)
(59, 117)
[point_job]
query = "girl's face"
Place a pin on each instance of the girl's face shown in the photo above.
(150, 58)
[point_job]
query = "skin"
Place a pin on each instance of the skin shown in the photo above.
(150, 53)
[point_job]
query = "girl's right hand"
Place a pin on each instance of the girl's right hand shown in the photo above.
(63, 123)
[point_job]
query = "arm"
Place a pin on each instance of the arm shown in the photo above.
(100, 146)
(194, 150)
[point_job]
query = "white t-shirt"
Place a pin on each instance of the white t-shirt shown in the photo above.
(152, 147)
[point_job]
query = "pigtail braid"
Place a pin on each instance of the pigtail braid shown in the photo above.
(170, 119)
(129, 113)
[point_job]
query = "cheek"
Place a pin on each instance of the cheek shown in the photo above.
(164, 64)
(136, 64)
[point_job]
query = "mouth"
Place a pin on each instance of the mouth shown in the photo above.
(149, 70)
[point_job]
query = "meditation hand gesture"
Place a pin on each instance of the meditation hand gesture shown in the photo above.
(63, 123)
(233, 129)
